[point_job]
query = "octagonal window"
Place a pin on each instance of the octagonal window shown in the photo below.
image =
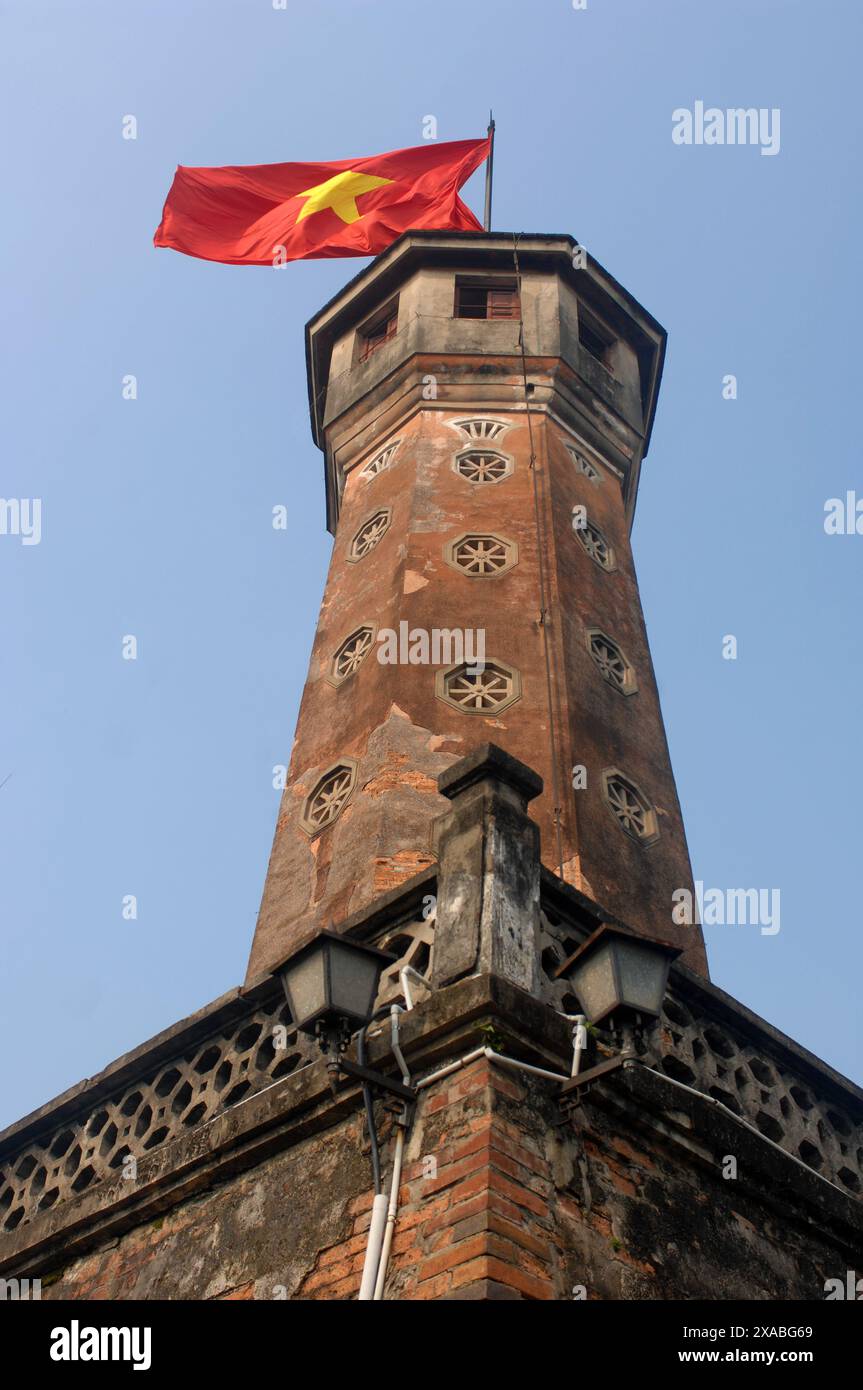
(473, 691)
(369, 534)
(613, 665)
(480, 554)
(592, 540)
(630, 807)
(483, 466)
(329, 796)
(351, 654)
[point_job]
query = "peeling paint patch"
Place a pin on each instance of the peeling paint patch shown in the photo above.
(445, 743)
(391, 778)
(389, 872)
(572, 874)
(413, 581)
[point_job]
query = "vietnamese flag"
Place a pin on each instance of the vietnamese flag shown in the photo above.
(265, 214)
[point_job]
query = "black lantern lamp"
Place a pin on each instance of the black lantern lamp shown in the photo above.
(620, 979)
(331, 985)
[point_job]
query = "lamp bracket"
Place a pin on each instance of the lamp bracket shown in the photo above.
(570, 1089)
(376, 1078)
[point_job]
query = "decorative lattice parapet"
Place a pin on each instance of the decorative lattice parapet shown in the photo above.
(412, 943)
(709, 1041)
(189, 1076)
(178, 1081)
(183, 1079)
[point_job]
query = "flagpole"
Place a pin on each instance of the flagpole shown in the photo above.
(489, 172)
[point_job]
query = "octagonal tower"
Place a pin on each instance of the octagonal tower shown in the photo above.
(483, 402)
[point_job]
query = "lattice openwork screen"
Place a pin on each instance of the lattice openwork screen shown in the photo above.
(162, 1103)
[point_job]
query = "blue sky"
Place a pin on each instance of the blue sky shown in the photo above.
(154, 777)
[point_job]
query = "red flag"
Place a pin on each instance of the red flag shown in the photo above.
(264, 214)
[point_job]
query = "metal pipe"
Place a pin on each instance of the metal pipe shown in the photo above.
(492, 1056)
(395, 1010)
(516, 1065)
(373, 1248)
(392, 1212)
(384, 1211)
(579, 1042)
(489, 174)
(448, 1070)
(579, 1038)
(408, 972)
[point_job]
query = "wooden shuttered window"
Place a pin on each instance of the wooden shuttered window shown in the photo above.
(378, 332)
(503, 303)
(594, 338)
(477, 300)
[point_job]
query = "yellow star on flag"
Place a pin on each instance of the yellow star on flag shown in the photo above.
(340, 194)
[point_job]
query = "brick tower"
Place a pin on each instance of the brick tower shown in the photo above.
(431, 811)
(483, 404)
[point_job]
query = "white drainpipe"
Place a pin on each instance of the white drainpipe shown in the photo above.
(391, 1214)
(373, 1249)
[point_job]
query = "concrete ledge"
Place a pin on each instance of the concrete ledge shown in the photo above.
(489, 762)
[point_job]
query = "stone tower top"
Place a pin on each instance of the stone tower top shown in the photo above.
(604, 351)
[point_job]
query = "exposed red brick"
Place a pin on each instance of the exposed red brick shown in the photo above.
(458, 1254)
(434, 1288)
(519, 1195)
